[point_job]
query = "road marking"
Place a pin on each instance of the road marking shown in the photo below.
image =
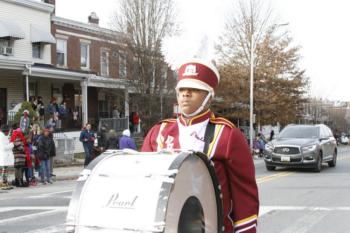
(45, 195)
(266, 209)
(8, 208)
(343, 158)
(273, 177)
(54, 193)
(48, 210)
(51, 229)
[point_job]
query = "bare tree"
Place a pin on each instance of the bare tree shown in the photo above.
(279, 84)
(145, 23)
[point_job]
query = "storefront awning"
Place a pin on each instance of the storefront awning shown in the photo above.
(11, 29)
(39, 35)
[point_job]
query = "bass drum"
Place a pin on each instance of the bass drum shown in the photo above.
(128, 192)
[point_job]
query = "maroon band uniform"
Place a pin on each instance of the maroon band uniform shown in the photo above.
(232, 161)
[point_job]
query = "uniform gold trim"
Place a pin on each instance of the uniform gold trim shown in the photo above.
(216, 137)
(246, 219)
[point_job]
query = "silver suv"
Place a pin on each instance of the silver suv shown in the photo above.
(302, 146)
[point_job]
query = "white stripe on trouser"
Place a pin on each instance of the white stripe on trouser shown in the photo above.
(247, 228)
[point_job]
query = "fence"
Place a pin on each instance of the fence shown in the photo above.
(64, 148)
(10, 118)
(118, 124)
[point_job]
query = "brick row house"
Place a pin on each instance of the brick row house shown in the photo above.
(49, 56)
(83, 64)
(82, 47)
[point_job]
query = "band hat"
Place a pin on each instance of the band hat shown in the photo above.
(198, 74)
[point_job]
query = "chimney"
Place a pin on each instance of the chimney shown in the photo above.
(52, 2)
(93, 19)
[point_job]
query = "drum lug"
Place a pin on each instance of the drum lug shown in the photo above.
(84, 175)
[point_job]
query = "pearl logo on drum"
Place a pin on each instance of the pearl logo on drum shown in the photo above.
(116, 202)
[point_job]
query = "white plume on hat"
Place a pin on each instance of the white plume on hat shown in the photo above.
(200, 28)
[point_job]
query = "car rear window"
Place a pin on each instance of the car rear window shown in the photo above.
(300, 132)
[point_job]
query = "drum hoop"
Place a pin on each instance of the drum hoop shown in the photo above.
(167, 187)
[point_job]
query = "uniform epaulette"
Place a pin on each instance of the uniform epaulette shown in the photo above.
(169, 120)
(223, 121)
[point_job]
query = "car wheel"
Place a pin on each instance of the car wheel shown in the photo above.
(270, 168)
(318, 165)
(333, 163)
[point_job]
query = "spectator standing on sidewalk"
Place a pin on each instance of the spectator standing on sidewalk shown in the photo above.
(112, 140)
(41, 110)
(6, 156)
(102, 137)
(126, 141)
(87, 137)
(21, 155)
(52, 152)
(45, 147)
(24, 121)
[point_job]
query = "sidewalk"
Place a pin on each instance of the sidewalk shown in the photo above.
(62, 173)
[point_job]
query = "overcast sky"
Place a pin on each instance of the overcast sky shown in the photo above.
(320, 27)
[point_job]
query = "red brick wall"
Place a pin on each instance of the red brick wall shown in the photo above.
(73, 52)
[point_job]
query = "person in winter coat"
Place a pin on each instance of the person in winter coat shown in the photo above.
(6, 156)
(102, 138)
(87, 137)
(126, 142)
(25, 121)
(21, 155)
(52, 152)
(45, 147)
(112, 140)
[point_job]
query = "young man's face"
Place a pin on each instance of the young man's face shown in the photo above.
(190, 99)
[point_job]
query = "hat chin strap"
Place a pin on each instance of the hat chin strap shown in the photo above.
(199, 109)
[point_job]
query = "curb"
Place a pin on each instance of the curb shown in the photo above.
(65, 178)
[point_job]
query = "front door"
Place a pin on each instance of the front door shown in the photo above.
(3, 106)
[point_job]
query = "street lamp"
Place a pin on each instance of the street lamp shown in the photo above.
(251, 102)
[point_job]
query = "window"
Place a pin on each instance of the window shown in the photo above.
(122, 65)
(36, 50)
(61, 50)
(4, 42)
(84, 56)
(104, 63)
(5, 47)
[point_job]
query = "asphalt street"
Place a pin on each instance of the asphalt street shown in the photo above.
(302, 201)
(292, 201)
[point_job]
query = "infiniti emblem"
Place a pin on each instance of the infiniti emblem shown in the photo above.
(285, 150)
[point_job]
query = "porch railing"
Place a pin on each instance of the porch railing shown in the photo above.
(118, 124)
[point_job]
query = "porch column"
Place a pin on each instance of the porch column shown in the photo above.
(126, 102)
(27, 87)
(84, 93)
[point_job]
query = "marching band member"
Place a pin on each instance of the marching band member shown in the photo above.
(198, 129)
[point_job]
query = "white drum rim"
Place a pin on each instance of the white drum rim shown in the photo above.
(167, 187)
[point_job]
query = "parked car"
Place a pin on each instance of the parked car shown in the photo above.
(302, 146)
